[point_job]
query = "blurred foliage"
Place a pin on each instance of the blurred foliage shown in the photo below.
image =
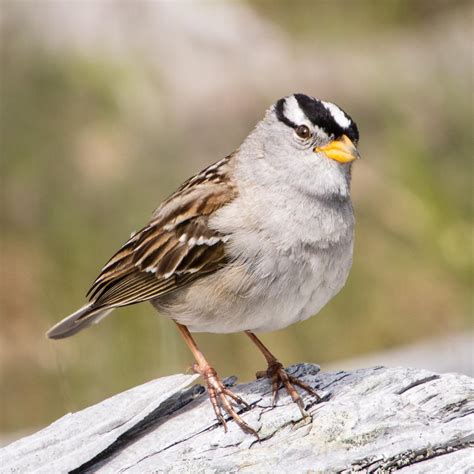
(81, 169)
(344, 18)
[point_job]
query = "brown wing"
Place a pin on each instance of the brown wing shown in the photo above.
(175, 248)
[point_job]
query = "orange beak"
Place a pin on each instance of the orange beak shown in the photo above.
(342, 150)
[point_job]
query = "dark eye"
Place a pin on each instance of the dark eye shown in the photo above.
(303, 131)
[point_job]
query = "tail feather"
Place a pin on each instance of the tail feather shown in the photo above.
(78, 321)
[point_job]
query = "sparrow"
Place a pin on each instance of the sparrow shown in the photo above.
(255, 242)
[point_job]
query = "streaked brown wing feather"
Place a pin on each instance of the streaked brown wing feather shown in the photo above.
(174, 249)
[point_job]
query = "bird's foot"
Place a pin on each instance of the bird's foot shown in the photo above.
(278, 376)
(220, 395)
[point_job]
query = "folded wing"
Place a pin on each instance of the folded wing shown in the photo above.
(175, 248)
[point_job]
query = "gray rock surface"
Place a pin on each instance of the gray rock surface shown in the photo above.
(370, 420)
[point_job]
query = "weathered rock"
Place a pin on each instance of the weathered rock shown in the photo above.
(370, 420)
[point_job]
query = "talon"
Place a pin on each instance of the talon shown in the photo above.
(275, 387)
(278, 375)
(219, 396)
(222, 421)
(304, 386)
(300, 404)
(236, 398)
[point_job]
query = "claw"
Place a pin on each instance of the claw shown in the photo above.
(304, 386)
(276, 383)
(278, 375)
(219, 395)
(236, 398)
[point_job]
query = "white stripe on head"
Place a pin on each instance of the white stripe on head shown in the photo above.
(293, 112)
(338, 115)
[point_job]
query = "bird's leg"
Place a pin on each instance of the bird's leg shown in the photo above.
(218, 392)
(278, 375)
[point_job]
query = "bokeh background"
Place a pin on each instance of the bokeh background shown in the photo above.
(106, 107)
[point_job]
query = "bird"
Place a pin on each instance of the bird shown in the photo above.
(253, 243)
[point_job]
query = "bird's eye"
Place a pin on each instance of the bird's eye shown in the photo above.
(303, 131)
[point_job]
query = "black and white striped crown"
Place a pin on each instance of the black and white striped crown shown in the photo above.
(297, 109)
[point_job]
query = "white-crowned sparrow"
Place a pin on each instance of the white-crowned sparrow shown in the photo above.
(255, 242)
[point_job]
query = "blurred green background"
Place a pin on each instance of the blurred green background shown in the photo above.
(106, 107)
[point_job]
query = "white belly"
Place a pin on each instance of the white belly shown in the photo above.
(286, 293)
(301, 291)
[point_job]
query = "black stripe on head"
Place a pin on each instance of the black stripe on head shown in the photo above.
(280, 109)
(321, 117)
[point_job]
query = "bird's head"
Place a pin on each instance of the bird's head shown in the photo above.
(310, 141)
